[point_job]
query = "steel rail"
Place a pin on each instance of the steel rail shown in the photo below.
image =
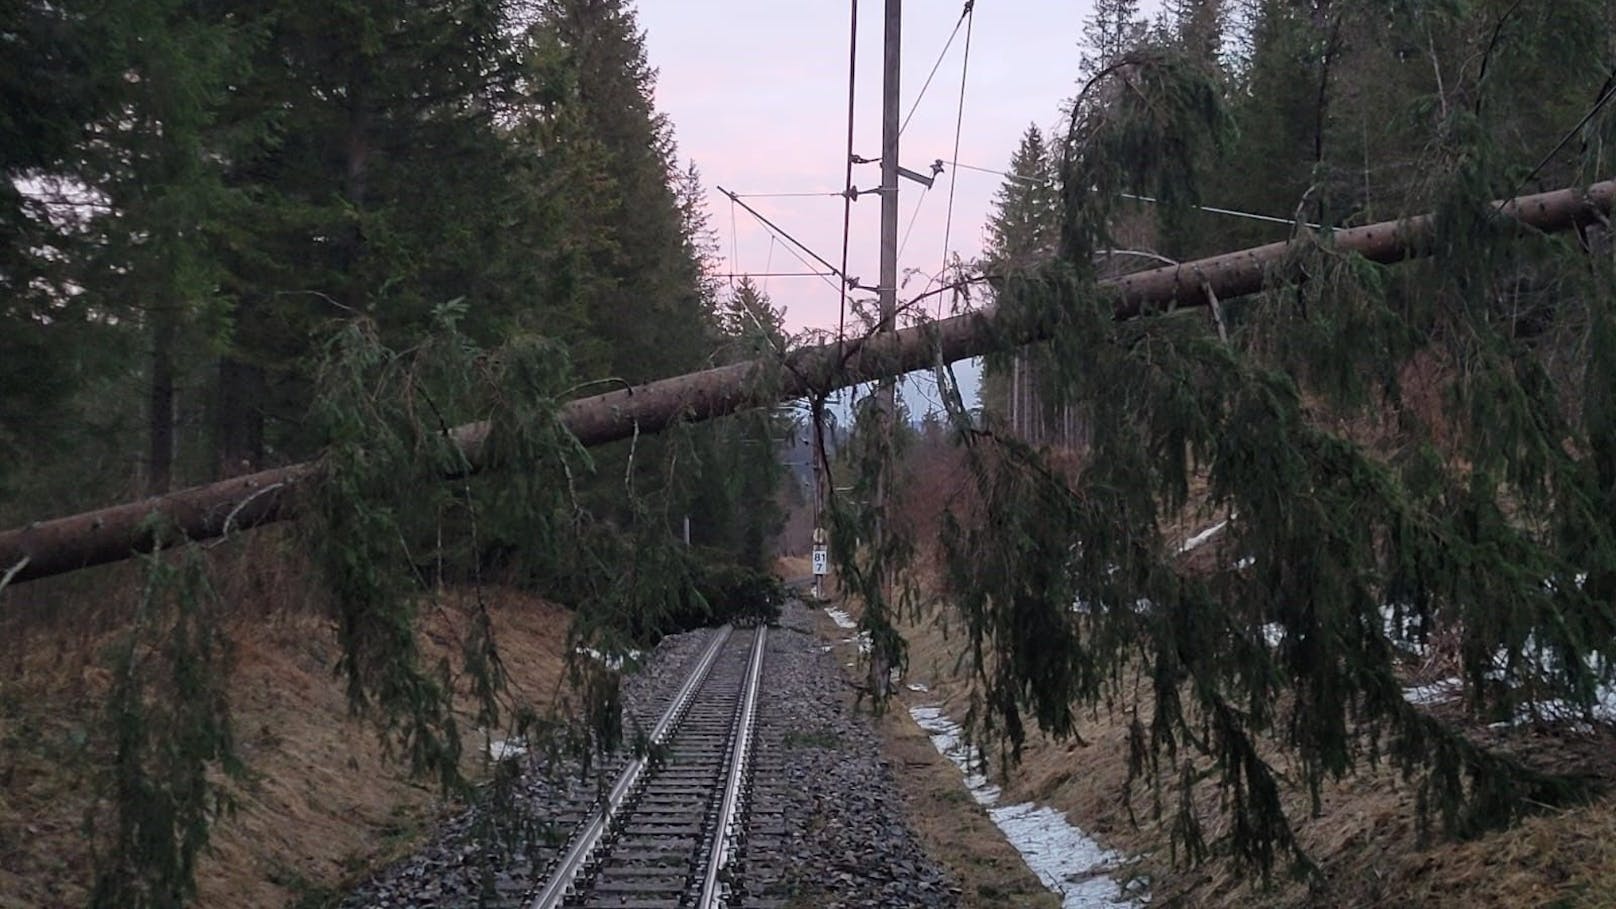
(584, 841)
(711, 894)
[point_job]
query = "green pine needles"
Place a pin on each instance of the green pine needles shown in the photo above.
(1353, 513)
(869, 548)
(168, 723)
(390, 536)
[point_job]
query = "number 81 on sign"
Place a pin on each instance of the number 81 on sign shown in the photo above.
(821, 561)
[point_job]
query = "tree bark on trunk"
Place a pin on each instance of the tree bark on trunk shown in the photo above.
(160, 402)
(238, 419)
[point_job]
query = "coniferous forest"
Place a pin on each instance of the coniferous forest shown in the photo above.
(240, 236)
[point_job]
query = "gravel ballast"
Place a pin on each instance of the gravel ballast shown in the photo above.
(824, 823)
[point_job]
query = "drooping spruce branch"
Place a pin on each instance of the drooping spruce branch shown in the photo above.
(868, 547)
(1489, 514)
(167, 721)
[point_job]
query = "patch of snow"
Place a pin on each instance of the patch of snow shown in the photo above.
(918, 686)
(1579, 579)
(1273, 633)
(1535, 664)
(500, 749)
(1434, 693)
(1203, 536)
(841, 618)
(1556, 710)
(1245, 563)
(612, 660)
(1066, 859)
(1402, 627)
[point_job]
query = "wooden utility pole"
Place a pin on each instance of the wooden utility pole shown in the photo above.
(887, 291)
(218, 509)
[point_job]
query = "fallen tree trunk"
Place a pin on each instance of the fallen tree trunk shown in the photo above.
(218, 509)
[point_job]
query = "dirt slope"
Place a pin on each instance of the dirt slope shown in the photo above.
(320, 805)
(1365, 839)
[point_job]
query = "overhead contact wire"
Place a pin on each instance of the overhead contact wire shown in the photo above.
(734, 247)
(782, 234)
(959, 124)
(775, 235)
(913, 217)
(847, 182)
(785, 195)
(951, 36)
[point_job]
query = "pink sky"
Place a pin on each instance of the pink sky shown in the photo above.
(757, 92)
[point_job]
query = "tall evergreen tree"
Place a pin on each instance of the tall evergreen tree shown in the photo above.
(735, 496)
(1113, 28)
(56, 76)
(1198, 27)
(383, 187)
(634, 255)
(1023, 231)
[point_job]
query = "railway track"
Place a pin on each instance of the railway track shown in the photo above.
(666, 832)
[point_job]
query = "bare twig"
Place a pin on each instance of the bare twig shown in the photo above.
(224, 532)
(1137, 253)
(609, 380)
(1217, 311)
(12, 571)
(1487, 55)
(628, 469)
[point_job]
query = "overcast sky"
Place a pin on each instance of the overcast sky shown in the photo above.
(757, 93)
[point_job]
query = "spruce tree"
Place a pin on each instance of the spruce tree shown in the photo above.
(57, 77)
(632, 252)
(738, 485)
(1022, 232)
(383, 187)
(1198, 27)
(1113, 28)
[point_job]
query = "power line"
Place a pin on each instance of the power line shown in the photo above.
(734, 250)
(1606, 92)
(782, 234)
(786, 195)
(1233, 213)
(847, 181)
(952, 35)
(959, 124)
(913, 217)
(777, 274)
(792, 244)
(768, 262)
(986, 170)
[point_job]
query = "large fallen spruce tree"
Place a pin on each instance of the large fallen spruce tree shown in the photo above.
(58, 545)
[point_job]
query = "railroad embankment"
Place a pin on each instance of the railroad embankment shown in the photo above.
(320, 805)
(1365, 838)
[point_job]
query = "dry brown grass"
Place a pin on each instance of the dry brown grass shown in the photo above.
(956, 830)
(1365, 839)
(789, 568)
(321, 803)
